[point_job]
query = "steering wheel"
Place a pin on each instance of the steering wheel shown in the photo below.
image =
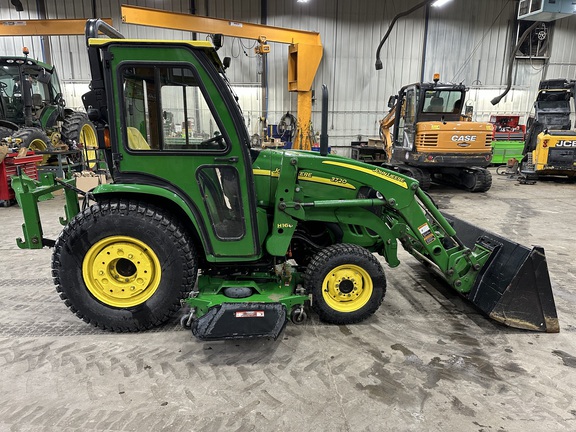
(214, 140)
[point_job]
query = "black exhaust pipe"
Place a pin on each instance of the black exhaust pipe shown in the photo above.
(324, 127)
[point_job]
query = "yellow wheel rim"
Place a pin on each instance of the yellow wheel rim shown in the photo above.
(89, 141)
(121, 271)
(39, 145)
(347, 288)
(88, 137)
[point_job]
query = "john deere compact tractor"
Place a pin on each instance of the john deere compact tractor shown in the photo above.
(33, 113)
(246, 239)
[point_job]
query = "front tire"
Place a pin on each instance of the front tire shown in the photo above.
(124, 265)
(347, 284)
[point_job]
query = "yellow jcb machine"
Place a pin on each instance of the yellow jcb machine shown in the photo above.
(431, 139)
(550, 146)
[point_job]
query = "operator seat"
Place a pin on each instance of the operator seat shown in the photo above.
(135, 139)
(436, 105)
(37, 104)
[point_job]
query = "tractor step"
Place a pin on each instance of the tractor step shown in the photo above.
(241, 321)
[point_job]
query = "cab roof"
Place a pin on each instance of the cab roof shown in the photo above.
(206, 46)
(19, 60)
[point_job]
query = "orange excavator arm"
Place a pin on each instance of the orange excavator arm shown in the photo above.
(386, 125)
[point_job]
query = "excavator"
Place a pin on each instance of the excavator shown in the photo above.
(433, 141)
(550, 146)
(243, 241)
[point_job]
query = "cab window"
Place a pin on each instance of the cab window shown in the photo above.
(443, 101)
(165, 110)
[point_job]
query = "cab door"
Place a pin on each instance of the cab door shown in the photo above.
(178, 127)
(406, 132)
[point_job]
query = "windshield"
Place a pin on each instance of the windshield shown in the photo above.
(443, 101)
(12, 89)
(10, 80)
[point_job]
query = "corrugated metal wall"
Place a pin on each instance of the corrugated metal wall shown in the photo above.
(467, 42)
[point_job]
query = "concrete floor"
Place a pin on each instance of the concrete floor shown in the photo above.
(425, 362)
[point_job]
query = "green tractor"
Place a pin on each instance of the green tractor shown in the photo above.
(33, 114)
(246, 239)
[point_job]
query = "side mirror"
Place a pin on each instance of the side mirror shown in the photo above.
(44, 77)
(226, 62)
(59, 100)
(93, 114)
(391, 101)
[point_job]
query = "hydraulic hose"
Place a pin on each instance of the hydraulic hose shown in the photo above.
(497, 99)
(396, 18)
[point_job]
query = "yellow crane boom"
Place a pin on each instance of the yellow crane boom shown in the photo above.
(304, 52)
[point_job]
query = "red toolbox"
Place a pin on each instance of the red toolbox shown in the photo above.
(8, 169)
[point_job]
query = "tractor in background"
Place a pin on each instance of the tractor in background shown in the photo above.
(33, 112)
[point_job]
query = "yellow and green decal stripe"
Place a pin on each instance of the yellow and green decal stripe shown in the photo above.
(376, 172)
(265, 172)
(309, 177)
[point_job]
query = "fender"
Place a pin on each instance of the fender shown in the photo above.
(147, 190)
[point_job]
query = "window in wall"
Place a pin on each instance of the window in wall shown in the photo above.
(536, 45)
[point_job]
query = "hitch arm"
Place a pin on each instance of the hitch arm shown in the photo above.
(28, 193)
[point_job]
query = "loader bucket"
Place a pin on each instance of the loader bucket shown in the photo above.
(513, 287)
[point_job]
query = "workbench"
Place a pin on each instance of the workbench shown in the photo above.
(64, 160)
(9, 167)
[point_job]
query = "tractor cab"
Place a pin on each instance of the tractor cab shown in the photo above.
(553, 104)
(177, 128)
(30, 92)
(425, 102)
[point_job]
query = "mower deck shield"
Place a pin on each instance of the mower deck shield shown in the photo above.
(241, 321)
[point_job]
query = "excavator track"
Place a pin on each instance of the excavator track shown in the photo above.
(481, 180)
(473, 179)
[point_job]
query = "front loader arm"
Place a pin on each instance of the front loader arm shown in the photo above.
(407, 214)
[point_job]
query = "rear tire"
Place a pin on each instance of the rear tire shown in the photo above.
(78, 128)
(347, 284)
(79, 132)
(5, 132)
(124, 265)
(34, 139)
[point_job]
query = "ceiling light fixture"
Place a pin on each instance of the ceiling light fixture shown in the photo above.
(301, 1)
(440, 3)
